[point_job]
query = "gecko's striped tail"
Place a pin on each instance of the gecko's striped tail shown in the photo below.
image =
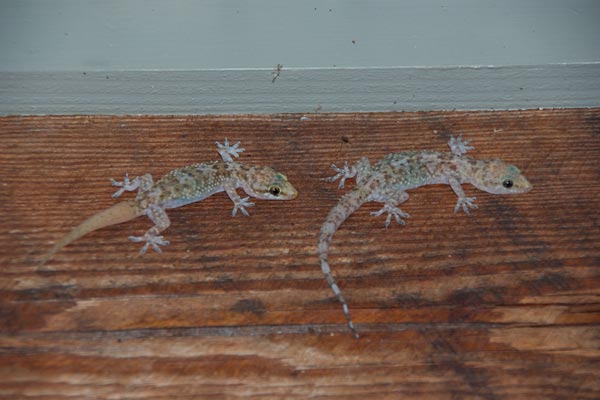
(120, 212)
(338, 214)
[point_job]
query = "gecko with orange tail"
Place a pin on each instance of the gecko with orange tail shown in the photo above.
(180, 187)
(388, 180)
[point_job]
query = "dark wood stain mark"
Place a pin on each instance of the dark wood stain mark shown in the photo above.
(253, 306)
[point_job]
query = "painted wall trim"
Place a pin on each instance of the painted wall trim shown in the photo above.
(303, 90)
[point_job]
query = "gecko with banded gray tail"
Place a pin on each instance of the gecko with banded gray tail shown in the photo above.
(388, 180)
(180, 187)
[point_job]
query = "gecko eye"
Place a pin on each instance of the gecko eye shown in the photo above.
(507, 183)
(274, 190)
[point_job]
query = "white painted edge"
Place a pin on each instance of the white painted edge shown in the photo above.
(305, 90)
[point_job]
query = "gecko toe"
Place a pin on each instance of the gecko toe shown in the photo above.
(151, 240)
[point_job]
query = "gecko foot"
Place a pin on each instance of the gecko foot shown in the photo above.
(392, 211)
(127, 185)
(466, 203)
(240, 205)
(151, 240)
(459, 146)
(226, 151)
(343, 173)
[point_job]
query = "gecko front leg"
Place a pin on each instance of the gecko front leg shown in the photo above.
(152, 238)
(143, 182)
(463, 201)
(459, 146)
(390, 199)
(238, 202)
(226, 151)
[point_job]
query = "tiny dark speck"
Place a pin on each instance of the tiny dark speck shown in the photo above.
(85, 73)
(345, 139)
(520, 88)
(354, 42)
(107, 77)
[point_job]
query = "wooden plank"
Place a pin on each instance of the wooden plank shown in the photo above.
(500, 304)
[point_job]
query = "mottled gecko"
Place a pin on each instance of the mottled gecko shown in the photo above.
(184, 186)
(387, 181)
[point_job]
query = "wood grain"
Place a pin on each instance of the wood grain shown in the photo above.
(502, 304)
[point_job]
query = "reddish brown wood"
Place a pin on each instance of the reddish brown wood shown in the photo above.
(502, 304)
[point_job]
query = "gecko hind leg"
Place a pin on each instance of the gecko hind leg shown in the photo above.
(359, 169)
(342, 174)
(390, 200)
(226, 151)
(392, 211)
(143, 182)
(152, 238)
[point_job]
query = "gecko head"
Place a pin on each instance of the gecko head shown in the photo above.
(498, 177)
(266, 183)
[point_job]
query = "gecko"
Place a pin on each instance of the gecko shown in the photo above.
(388, 180)
(180, 187)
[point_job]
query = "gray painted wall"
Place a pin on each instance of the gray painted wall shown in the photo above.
(184, 56)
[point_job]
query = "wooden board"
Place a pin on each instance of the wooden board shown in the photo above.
(501, 304)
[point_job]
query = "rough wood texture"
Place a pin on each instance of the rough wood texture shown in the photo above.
(503, 304)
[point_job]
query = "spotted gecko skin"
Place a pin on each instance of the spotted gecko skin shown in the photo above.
(184, 186)
(388, 180)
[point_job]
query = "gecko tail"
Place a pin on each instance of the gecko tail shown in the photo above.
(338, 214)
(120, 212)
